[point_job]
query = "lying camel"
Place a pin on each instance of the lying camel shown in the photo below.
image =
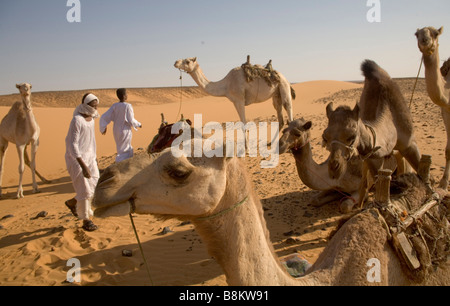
(216, 194)
(297, 138)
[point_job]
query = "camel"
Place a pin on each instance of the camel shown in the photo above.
(380, 123)
(242, 93)
(438, 85)
(297, 138)
(217, 196)
(19, 126)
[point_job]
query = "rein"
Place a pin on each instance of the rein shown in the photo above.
(415, 84)
(132, 210)
(223, 212)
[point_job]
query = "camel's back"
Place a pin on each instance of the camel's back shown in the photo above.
(382, 97)
(14, 122)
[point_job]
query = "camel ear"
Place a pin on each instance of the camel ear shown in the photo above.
(441, 30)
(194, 59)
(356, 111)
(307, 125)
(329, 109)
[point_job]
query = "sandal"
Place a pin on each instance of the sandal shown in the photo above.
(89, 226)
(73, 208)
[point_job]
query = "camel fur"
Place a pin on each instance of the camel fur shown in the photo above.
(19, 126)
(438, 84)
(217, 195)
(243, 90)
(379, 124)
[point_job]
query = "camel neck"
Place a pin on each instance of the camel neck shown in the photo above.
(239, 239)
(434, 80)
(26, 100)
(212, 88)
(239, 243)
(312, 174)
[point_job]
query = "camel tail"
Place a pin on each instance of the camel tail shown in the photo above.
(372, 71)
(293, 94)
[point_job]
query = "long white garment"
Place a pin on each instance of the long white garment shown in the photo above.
(80, 142)
(122, 114)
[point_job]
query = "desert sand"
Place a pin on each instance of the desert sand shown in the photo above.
(36, 251)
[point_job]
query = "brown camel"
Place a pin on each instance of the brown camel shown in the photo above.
(241, 91)
(19, 126)
(379, 123)
(216, 194)
(297, 139)
(437, 84)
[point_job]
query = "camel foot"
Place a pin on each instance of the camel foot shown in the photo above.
(346, 206)
(36, 191)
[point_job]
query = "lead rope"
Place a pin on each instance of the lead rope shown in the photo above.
(417, 79)
(142, 251)
(181, 94)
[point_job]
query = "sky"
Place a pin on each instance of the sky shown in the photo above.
(134, 43)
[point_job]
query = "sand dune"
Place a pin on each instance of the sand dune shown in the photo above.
(35, 252)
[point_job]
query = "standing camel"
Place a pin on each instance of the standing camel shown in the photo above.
(379, 124)
(19, 126)
(437, 84)
(242, 92)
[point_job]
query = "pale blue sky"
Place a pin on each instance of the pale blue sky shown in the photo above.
(135, 43)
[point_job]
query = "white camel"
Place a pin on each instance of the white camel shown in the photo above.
(19, 126)
(242, 92)
(438, 85)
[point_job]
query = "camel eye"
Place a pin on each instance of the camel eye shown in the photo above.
(324, 139)
(178, 174)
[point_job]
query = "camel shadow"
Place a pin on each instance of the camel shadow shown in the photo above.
(61, 185)
(21, 238)
(179, 254)
(292, 215)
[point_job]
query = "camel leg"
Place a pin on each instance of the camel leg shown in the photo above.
(279, 108)
(20, 152)
(444, 181)
(34, 147)
(27, 162)
(3, 147)
(412, 155)
(286, 100)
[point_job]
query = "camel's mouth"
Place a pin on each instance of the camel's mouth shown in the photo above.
(116, 210)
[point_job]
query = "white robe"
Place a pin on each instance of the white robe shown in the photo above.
(122, 114)
(80, 142)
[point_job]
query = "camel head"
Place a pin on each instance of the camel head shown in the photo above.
(428, 39)
(161, 184)
(341, 138)
(24, 89)
(295, 136)
(187, 65)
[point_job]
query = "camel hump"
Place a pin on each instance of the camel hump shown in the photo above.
(372, 71)
(445, 68)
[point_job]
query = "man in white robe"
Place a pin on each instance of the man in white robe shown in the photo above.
(81, 159)
(122, 114)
